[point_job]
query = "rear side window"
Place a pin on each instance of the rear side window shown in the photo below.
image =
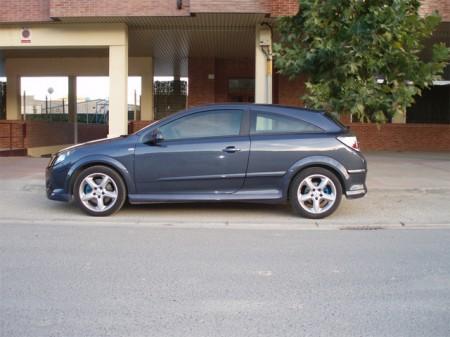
(212, 123)
(335, 118)
(267, 123)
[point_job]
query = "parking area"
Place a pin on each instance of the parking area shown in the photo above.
(405, 190)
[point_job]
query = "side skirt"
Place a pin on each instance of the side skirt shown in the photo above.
(273, 196)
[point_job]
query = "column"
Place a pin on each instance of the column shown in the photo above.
(118, 83)
(72, 99)
(13, 97)
(263, 65)
(147, 107)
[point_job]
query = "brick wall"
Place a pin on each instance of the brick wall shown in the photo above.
(82, 8)
(41, 133)
(284, 7)
(12, 134)
(402, 137)
(201, 89)
(43, 10)
(230, 6)
(134, 126)
(226, 69)
(288, 92)
(442, 6)
(205, 91)
(24, 10)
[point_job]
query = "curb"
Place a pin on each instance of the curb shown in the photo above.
(222, 225)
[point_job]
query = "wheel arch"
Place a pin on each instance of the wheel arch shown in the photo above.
(109, 162)
(327, 163)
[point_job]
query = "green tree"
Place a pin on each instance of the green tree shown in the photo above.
(347, 47)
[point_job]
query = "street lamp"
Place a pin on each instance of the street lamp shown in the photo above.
(50, 92)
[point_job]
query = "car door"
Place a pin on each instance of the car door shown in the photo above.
(203, 152)
(278, 140)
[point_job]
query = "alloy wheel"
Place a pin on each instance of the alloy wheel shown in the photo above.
(98, 192)
(316, 194)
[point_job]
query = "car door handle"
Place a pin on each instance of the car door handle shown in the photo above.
(231, 149)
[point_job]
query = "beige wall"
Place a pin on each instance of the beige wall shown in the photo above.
(65, 35)
(112, 36)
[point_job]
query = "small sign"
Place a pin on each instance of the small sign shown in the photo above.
(25, 35)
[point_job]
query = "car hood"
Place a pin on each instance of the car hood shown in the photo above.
(94, 143)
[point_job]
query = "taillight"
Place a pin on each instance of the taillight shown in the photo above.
(350, 141)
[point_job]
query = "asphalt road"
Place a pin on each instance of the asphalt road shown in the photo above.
(96, 280)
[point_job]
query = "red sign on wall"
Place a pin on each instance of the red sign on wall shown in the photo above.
(25, 35)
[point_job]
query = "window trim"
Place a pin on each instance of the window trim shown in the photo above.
(244, 127)
(253, 132)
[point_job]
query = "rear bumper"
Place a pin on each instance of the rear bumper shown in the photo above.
(356, 184)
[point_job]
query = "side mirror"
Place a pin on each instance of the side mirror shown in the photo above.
(157, 137)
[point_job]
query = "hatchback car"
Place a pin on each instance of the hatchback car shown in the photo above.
(233, 152)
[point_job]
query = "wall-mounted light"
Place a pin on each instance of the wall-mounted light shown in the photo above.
(179, 4)
(265, 40)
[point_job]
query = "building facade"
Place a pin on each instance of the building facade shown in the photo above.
(222, 47)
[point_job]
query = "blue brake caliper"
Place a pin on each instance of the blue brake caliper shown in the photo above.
(87, 189)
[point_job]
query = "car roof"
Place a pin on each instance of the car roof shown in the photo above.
(257, 105)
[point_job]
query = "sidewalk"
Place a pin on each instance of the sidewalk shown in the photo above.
(405, 189)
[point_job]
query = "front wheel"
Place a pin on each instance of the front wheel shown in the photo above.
(99, 191)
(315, 193)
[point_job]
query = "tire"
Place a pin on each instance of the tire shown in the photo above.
(99, 191)
(315, 193)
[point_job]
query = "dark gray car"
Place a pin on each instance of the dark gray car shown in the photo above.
(228, 152)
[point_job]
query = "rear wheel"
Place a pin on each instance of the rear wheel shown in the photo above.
(99, 191)
(315, 193)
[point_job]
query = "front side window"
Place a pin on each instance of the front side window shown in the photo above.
(266, 123)
(213, 123)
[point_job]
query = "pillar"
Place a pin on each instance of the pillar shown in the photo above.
(118, 83)
(13, 103)
(263, 65)
(72, 99)
(147, 106)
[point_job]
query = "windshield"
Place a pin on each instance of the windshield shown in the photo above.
(147, 126)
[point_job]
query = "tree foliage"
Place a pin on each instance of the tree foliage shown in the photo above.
(347, 47)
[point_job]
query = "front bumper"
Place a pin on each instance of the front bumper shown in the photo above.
(54, 185)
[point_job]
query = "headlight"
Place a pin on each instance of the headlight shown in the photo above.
(61, 157)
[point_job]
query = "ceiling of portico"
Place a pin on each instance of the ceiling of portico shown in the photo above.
(171, 40)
